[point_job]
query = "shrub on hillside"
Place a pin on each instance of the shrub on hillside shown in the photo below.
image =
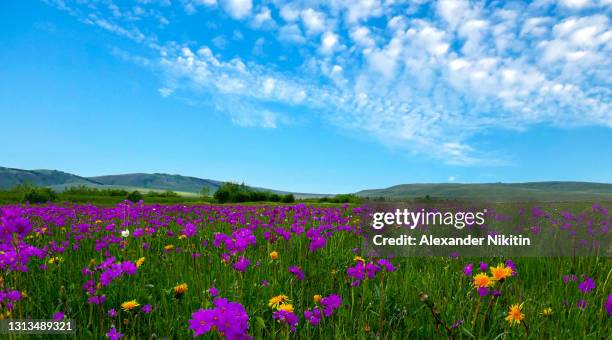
(39, 195)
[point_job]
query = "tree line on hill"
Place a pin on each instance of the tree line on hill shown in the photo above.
(226, 193)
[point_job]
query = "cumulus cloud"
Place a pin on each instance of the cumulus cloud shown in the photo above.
(238, 9)
(427, 78)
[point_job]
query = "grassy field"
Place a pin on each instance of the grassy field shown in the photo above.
(85, 266)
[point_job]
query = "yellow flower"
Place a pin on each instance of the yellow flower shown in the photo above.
(140, 262)
(129, 305)
(56, 259)
(182, 237)
(515, 314)
(180, 289)
(169, 247)
(286, 307)
(547, 311)
(483, 280)
(359, 258)
(98, 221)
(274, 255)
(317, 298)
(501, 272)
(278, 300)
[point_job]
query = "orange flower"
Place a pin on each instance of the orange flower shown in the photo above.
(515, 314)
(501, 272)
(483, 280)
(274, 255)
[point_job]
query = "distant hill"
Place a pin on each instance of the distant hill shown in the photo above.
(158, 182)
(10, 177)
(58, 180)
(189, 186)
(499, 192)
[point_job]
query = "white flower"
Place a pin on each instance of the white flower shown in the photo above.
(125, 233)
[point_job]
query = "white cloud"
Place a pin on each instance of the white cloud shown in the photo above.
(289, 13)
(165, 91)
(424, 83)
(329, 40)
(264, 17)
(577, 4)
(313, 21)
(238, 9)
(291, 33)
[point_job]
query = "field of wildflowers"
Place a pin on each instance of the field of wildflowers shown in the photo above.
(282, 271)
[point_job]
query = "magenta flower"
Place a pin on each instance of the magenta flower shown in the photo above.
(608, 305)
(227, 318)
(387, 265)
(587, 285)
(483, 291)
(484, 266)
(112, 313)
(58, 316)
(146, 309)
(287, 317)
(371, 270)
(113, 334)
(467, 270)
(213, 291)
(313, 316)
(330, 303)
(297, 272)
(242, 264)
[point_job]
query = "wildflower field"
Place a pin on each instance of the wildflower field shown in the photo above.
(283, 271)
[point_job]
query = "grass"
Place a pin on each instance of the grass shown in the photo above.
(389, 306)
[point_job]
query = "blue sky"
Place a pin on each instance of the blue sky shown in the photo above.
(310, 96)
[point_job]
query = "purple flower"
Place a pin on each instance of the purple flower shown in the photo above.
(496, 293)
(330, 303)
(582, 304)
(113, 334)
(386, 264)
(587, 285)
(129, 268)
(357, 271)
(287, 317)
(371, 270)
(314, 316)
(213, 291)
(58, 316)
(608, 305)
(242, 264)
(112, 313)
(457, 324)
(13, 295)
(484, 266)
(227, 318)
(146, 309)
(483, 291)
(265, 283)
(96, 300)
(190, 229)
(297, 272)
(512, 265)
(467, 270)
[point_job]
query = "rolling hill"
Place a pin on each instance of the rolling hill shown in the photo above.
(499, 192)
(189, 186)
(10, 177)
(59, 181)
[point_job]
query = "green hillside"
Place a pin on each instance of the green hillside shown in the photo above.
(159, 182)
(499, 192)
(10, 177)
